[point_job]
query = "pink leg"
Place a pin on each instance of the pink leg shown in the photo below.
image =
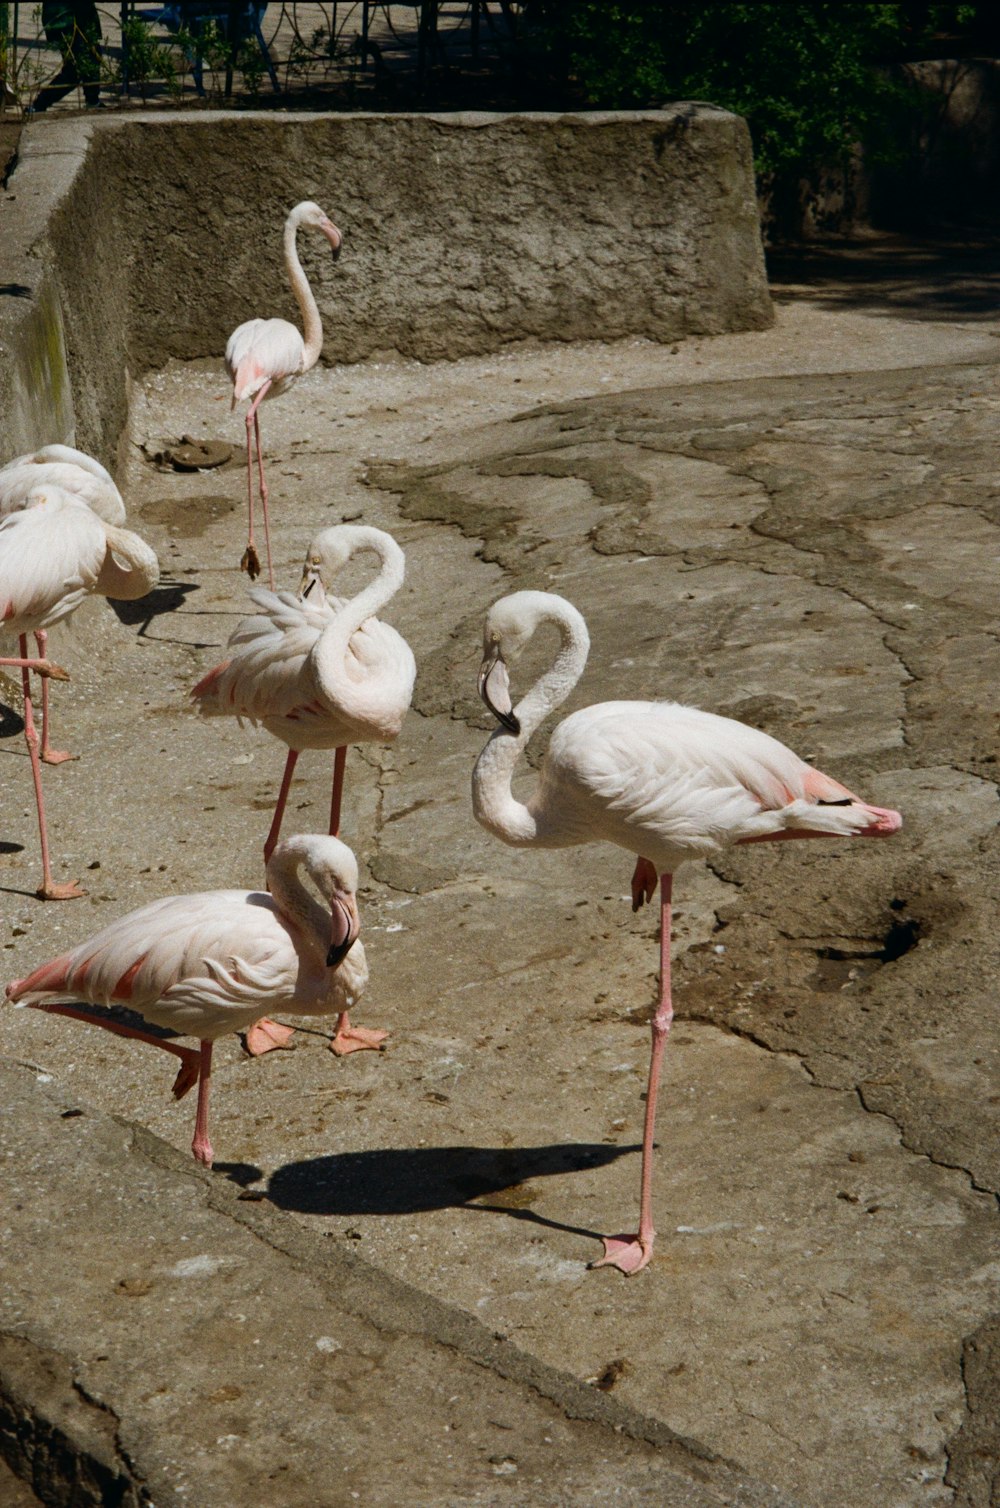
(263, 495)
(348, 1038)
(187, 1074)
(48, 890)
(265, 1035)
(251, 560)
(47, 754)
(631, 1253)
(279, 810)
(339, 761)
(200, 1145)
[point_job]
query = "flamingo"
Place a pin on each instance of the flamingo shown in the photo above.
(264, 357)
(203, 965)
(319, 673)
(662, 781)
(55, 550)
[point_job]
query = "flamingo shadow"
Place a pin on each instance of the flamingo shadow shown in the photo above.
(165, 598)
(11, 722)
(410, 1180)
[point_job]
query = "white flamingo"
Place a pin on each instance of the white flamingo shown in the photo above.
(55, 550)
(207, 964)
(662, 781)
(319, 673)
(265, 356)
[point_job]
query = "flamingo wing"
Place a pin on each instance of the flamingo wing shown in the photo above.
(263, 350)
(74, 471)
(266, 673)
(200, 964)
(660, 778)
(51, 555)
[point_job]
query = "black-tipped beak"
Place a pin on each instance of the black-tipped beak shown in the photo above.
(504, 715)
(345, 926)
(310, 578)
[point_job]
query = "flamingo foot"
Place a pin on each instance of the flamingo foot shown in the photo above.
(265, 1035)
(356, 1039)
(202, 1149)
(644, 881)
(70, 891)
(251, 562)
(55, 756)
(187, 1074)
(628, 1253)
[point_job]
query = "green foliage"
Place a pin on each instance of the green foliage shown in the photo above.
(809, 78)
(147, 59)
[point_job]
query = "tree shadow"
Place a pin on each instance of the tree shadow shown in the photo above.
(927, 278)
(411, 1180)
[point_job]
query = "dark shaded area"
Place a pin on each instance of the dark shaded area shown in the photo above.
(953, 276)
(404, 1181)
(11, 722)
(15, 290)
(165, 598)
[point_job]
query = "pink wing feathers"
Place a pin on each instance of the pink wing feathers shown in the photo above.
(85, 479)
(263, 350)
(266, 673)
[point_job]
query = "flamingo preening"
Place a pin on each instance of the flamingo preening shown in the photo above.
(265, 356)
(662, 781)
(207, 964)
(60, 541)
(319, 673)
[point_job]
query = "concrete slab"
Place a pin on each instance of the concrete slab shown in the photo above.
(793, 527)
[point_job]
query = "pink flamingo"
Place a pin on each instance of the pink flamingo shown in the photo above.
(203, 965)
(265, 356)
(664, 782)
(55, 551)
(319, 673)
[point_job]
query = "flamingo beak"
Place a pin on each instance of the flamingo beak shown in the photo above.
(344, 928)
(333, 236)
(310, 578)
(494, 688)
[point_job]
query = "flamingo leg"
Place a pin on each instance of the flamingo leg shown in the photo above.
(265, 1035)
(251, 560)
(187, 1074)
(263, 496)
(48, 890)
(200, 1145)
(631, 1253)
(46, 753)
(348, 1038)
(279, 809)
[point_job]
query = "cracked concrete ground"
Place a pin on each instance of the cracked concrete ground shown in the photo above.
(796, 528)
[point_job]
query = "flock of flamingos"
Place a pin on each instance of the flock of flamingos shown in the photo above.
(663, 781)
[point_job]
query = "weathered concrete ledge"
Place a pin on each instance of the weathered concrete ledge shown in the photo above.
(131, 240)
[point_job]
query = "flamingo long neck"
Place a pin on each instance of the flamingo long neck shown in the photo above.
(493, 802)
(312, 326)
(294, 901)
(139, 573)
(359, 697)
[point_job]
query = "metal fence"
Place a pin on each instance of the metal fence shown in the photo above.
(83, 52)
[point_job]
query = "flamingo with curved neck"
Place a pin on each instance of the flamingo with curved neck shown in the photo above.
(204, 965)
(319, 672)
(265, 356)
(662, 781)
(55, 550)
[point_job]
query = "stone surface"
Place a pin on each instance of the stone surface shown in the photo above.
(793, 527)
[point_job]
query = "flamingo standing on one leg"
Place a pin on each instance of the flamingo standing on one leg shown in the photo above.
(55, 551)
(319, 673)
(264, 357)
(206, 964)
(665, 782)
(87, 481)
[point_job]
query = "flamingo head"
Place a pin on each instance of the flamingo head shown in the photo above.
(328, 553)
(505, 636)
(333, 869)
(309, 213)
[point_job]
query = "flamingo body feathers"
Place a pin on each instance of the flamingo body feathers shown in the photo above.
(264, 350)
(61, 466)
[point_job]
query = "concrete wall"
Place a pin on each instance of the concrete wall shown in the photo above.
(143, 238)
